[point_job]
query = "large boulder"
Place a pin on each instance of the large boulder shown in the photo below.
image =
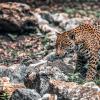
(16, 17)
(16, 73)
(73, 91)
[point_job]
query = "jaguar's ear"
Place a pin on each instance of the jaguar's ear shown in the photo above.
(57, 33)
(72, 36)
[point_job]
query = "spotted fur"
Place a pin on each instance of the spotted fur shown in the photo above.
(86, 35)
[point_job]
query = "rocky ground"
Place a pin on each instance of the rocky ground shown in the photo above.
(29, 69)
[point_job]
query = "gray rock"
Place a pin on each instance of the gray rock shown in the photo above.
(15, 73)
(2, 70)
(60, 17)
(25, 94)
(92, 85)
(39, 82)
(47, 16)
(19, 74)
(71, 23)
(39, 74)
(44, 84)
(66, 64)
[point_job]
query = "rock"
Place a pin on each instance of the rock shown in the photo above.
(66, 24)
(45, 15)
(39, 82)
(44, 84)
(60, 17)
(84, 93)
(49, 97)
(51, 69)
(92, 85)
(39, 74)
(43, 21)
(25, 94)
(40, 20)
(16, 17)
(71, 91)
(75, 22)
(67, 64)
(50, 65)
(52, 36)
(51, 56)
(16, 73)
(8, 87)
(2, 70)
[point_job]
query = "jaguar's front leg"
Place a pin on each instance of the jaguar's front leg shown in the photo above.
(80, 65)
(82, 59)
(91, 73)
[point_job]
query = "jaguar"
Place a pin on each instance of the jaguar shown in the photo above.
(86, 35)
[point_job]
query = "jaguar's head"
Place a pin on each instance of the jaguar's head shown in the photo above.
(64, 42)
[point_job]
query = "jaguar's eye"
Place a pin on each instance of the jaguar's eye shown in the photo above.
(65, 41)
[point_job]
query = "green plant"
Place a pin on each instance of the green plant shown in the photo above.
(75, 77)
(70, 10)
(97, 81)
(4, 96)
